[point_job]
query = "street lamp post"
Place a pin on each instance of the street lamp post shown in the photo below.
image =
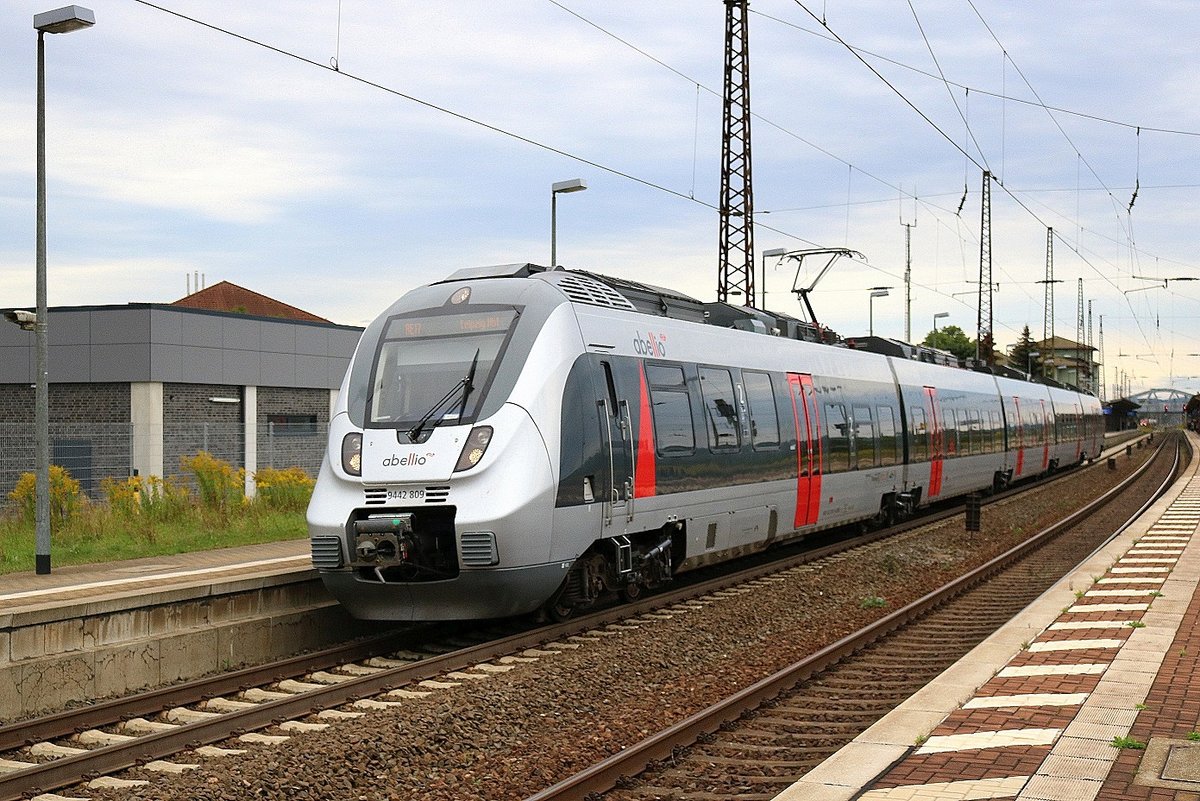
(1029, 356)
(937, 317)
(878, 292)
(572, 185)
(768, 254)
(61, 20)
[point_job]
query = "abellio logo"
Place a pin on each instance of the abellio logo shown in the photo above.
(408, 460)
(653, 345)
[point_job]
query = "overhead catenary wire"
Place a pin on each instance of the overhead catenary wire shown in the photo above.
(495, 128)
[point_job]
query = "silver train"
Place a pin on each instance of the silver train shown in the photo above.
(515, 438)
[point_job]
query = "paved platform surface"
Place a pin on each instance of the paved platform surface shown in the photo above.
(75, 583)
(1092, 693)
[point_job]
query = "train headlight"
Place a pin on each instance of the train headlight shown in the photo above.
(474, 448)
(352, 453)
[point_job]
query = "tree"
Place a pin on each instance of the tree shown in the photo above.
(1024, 356)
(953, 339)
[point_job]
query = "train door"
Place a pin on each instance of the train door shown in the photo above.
(616, 435)
(808, 449)
(937, 447)
(1046, 436)
(1020, 436)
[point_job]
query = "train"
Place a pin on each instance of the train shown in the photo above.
(517, 439)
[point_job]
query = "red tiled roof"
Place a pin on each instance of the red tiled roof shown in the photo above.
(229, 297)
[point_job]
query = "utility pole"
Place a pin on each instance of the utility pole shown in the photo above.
(983, 342)
(1091, 373)
(736, 268)
(908, 277)
(1100, 342)
(1048, 308)
(1079, 338)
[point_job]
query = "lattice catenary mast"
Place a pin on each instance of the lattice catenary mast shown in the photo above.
(736, 269)
(983, 342)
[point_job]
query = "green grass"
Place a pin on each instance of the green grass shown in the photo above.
(150, 516)
(101, 536)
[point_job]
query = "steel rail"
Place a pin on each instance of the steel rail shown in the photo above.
(605, 775)
(69, 770)
(101, 713)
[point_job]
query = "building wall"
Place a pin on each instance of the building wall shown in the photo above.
(194, 422)
(89, 432)
(292, 426)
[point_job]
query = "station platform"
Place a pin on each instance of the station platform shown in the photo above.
(106, 580)
(86, 632)
(1093, 692)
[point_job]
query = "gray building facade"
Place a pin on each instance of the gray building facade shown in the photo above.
(136, 388)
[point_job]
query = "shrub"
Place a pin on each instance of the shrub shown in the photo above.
(151, 497)
(65, 495)
(286, 490)
(220, 485)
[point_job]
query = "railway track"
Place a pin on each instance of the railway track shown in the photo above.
(308, 692)
(760, 740)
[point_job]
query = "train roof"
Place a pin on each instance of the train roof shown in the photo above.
(596, 289)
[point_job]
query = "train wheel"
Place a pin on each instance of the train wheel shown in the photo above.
(631, 591)
(560, 610)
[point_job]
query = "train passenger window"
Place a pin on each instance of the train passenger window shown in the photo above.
(672, 410)
(662, 375)
(886, 417)
(864, 438)
(949, 433)
(720, 409)
(837, 451)
(764, 419)
(918, 433)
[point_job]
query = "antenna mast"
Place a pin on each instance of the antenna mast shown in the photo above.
(736, 269)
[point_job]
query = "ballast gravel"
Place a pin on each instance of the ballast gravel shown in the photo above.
(517, 732)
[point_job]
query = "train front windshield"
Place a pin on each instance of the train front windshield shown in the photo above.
(436, 367)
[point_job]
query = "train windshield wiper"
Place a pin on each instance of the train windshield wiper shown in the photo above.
(463, 385)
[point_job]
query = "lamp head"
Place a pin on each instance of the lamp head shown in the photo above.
(571, 185)
(64, 20)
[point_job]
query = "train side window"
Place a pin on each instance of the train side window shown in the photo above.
(918, 435)
(663, 375)
(672, 410)
(764, 419)
(865, 443)
(720, 409)
(949, 433)
(887, 436)
(613, 408)
(837, 452)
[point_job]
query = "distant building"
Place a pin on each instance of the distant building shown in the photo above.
(229, 297)
(1068, 362)
(135, 388)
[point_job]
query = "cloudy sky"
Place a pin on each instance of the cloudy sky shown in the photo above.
(203, 136)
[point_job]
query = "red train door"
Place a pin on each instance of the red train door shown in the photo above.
(1046, 436)
(1020, 436)
(808, 449)
(937, 453)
